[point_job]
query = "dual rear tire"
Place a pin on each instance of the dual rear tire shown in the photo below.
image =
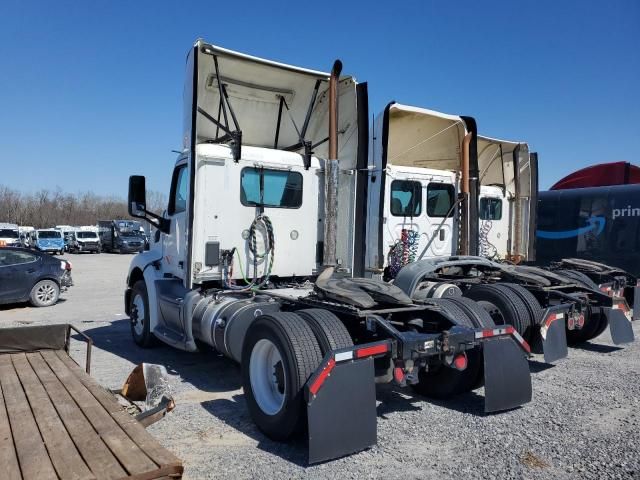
(280, 352)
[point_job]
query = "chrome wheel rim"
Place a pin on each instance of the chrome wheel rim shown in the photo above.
(268, 380)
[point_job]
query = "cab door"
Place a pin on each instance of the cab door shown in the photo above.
(440, 211)
(418, 218)
(174, 244)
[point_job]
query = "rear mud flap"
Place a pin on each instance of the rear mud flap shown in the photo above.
(554, 338)
(620, 326)
(341, 416)
(636, 303)
(507, 380)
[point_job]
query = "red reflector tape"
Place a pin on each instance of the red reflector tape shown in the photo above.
(398, 374)
(315, 386)
(621, 306)
(369, 351)
(552, 318)
(506, 330)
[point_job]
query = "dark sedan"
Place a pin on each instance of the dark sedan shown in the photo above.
(33, 276)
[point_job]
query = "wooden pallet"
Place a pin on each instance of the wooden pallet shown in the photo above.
(56, 422)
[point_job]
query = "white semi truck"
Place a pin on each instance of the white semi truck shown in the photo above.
(442, 199)
(257, 256)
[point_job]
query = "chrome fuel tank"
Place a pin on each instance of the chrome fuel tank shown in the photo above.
(223, 322)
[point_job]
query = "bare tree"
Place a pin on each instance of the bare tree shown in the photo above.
(46, 208)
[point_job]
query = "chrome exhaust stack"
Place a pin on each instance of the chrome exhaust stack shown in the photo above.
(331, 172)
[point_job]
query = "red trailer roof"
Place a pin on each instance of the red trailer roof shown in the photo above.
(604, 174)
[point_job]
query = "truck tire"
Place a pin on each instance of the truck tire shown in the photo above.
(482, 320)
(279, 354)
(579, 276)
(593, 320)
(329, 331)
(476, 313)
(441, 381)
(459, 316)
(535, 314)
(44, 293)
(503, 306)
(139, 316)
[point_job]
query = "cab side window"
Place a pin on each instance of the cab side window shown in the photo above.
(440, 199)
(490, 208)
(179, 187)
(406, 198)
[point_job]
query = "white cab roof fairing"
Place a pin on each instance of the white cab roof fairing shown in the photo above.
(418, 137)
(255, 87)
(495, 161)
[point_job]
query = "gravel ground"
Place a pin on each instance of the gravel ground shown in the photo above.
(583, 421)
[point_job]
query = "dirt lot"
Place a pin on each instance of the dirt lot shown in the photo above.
(584, 421)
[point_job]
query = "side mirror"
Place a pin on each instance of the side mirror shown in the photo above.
(137, 196)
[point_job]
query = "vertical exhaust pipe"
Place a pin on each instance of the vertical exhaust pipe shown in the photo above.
(464, 187)
(331, 173)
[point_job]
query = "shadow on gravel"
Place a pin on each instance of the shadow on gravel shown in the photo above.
(536, 367)
(209, 372)
(201, 369)
(25, 305)
(236, 415)
(394, 399)
(598, 348)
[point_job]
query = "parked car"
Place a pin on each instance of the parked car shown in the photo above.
(84, 241)
(49, 240)
(32, 276)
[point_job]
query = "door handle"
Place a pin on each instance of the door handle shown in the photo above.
(441, 234)
(31, 270)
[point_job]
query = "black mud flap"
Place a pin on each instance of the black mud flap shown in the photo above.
(620, 326)
(554, 336)
(636, 303)
(507, 380)
(341, 416)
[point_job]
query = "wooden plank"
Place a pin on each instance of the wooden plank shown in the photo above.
(32, 454)
(8, 457)
(97, 455)
(134, 429)
(132, 458)
(63, 453)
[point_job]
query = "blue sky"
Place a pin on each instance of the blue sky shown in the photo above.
(90, 92)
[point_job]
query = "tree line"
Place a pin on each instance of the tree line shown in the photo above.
(47, 208)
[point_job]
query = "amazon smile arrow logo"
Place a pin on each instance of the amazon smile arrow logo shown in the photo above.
(594, 223)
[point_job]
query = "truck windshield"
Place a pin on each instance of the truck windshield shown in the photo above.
(129, 228)
(6, 233)
(86, 235)
(270, 188)
(49, 234)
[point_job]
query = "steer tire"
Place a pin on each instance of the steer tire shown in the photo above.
(329, 331)
(142, 335)
(441, 381)
(503, 305)
(287, 337)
